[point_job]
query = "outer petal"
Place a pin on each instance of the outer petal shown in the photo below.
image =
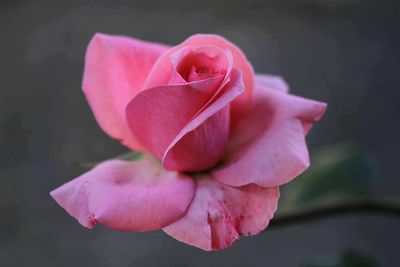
(115, 70)
(161, 72)
(201, 148)
(272, 82)
(220, 213)
(128, 196)
(268, 146)
(156, 115)
(187, 125)
(201, 143)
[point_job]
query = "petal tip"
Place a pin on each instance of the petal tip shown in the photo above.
(321, 110)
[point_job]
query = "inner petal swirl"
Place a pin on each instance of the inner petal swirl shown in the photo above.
(200, 63)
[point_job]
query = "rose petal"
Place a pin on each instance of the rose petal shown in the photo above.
(220, 213)
(272, 82)
(161, 72)
(157, 115)
(115, 70)
(201, 148)
(128, 196)
(268, 146)
(199, 63)
(201, 143)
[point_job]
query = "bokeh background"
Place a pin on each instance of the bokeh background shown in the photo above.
(344, 52)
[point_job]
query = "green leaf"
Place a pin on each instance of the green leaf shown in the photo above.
(338, 171)
(129, 156)
(346, 259)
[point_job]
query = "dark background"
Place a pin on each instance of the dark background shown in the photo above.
(344, 52)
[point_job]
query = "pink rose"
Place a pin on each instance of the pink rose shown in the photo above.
(218, 140)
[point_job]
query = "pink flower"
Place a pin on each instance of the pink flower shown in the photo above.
(218, 140)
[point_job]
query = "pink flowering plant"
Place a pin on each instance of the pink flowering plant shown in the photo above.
(216, 140)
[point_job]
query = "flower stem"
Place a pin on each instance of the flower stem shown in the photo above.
(364, 205)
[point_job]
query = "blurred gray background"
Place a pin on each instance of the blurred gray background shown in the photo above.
(344, 52)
